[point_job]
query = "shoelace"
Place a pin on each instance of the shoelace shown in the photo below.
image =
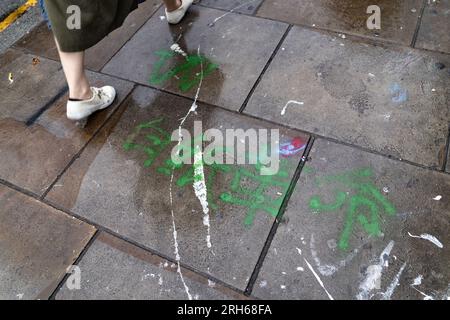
(100, 94)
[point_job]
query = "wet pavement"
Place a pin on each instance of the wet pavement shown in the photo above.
(359, 208)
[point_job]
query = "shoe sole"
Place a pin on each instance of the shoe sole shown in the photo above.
(106, 105)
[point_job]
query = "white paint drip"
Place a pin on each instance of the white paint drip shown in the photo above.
(390, 290)
(428, 237)
(180, 136)
(318, 279)
(373, 274)
(227, 13)
(437, 198)
(201, 191)
(283, 112)
(177, 49)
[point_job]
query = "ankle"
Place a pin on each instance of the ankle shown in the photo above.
(81, 94)
(176, 6)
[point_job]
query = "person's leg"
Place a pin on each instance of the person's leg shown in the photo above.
(84, 100)
(73, 66)
(176, 9)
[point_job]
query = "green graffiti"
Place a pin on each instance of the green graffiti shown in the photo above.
(189, 73)
(247, 187)
(363, 208)
(255, 198)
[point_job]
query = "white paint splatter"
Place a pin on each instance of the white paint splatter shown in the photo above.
(373, 274)
(177, 49)
(283, 112)
(300, 269)
(160, 281)
(263, 284)
(390, 290)
(227, 13)
(20, 296)
(318, 279)
(211, 284)
(329, 270)
(299, 251)
(428, 237)
(437, 198)
(326, 270)
(283, 287)
(417, 280)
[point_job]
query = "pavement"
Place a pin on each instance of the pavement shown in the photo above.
(359, 209)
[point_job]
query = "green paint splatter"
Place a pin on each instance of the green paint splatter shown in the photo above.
(364, 206)
(254, 197)
(189, 72)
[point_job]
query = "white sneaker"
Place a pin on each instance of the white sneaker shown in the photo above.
(175, 16)
(101, 99)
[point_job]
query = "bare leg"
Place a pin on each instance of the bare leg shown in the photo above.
(172, 5)
(73, 65)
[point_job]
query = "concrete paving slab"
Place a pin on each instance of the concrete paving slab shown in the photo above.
(230, 69)
(33, 154)
(40, 41)
(387, 99)
(433, 32)
(113, 269)
(31, 87)
(241, 6)
(38, 244)
(369, 227)
(123, 181)
(398, 18)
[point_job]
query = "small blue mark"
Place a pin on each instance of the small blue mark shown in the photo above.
(399, 95)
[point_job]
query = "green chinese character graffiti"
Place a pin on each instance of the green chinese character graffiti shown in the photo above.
(367, 199)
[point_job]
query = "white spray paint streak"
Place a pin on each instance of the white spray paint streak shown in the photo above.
(428, 237)
(180, 136)
(390, 290)
(374, 274)
(231, 11)
(318, 279)
(283, 112)
(177, 49)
